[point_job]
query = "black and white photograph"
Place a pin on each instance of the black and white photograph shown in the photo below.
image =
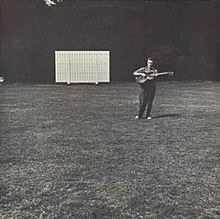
(109, 109)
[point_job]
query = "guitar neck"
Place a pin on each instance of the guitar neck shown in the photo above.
(142, 79)
(161, 73)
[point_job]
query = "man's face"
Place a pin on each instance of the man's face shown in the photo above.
(150, 63)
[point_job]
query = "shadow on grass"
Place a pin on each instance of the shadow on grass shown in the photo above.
(172, 115)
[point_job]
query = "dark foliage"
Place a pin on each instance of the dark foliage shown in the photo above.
(183, 36)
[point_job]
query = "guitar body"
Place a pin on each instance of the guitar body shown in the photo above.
(141, 80)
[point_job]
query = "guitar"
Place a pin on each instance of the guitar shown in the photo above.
(141, 80)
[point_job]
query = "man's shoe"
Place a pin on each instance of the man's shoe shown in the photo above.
(148, 117)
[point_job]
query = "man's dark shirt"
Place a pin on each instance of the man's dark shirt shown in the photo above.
(149, 82)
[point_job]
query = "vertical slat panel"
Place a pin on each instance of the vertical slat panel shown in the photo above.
(82, 66)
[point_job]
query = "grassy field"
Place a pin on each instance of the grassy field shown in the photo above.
(76, 152)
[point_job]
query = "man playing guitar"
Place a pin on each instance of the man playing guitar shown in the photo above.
(145, 77)
(148, 88)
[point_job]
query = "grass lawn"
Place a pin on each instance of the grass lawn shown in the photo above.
(76, 152)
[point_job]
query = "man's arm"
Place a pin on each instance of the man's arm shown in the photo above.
(139, 72)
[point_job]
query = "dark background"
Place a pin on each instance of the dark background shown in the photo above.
(182, 36)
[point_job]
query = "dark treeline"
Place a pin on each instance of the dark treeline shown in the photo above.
(181, 35)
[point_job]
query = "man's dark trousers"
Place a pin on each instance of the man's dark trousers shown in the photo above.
(146, 97)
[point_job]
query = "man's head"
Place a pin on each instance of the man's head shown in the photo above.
(150, 62)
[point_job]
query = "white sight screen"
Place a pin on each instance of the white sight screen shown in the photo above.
(82, 66)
